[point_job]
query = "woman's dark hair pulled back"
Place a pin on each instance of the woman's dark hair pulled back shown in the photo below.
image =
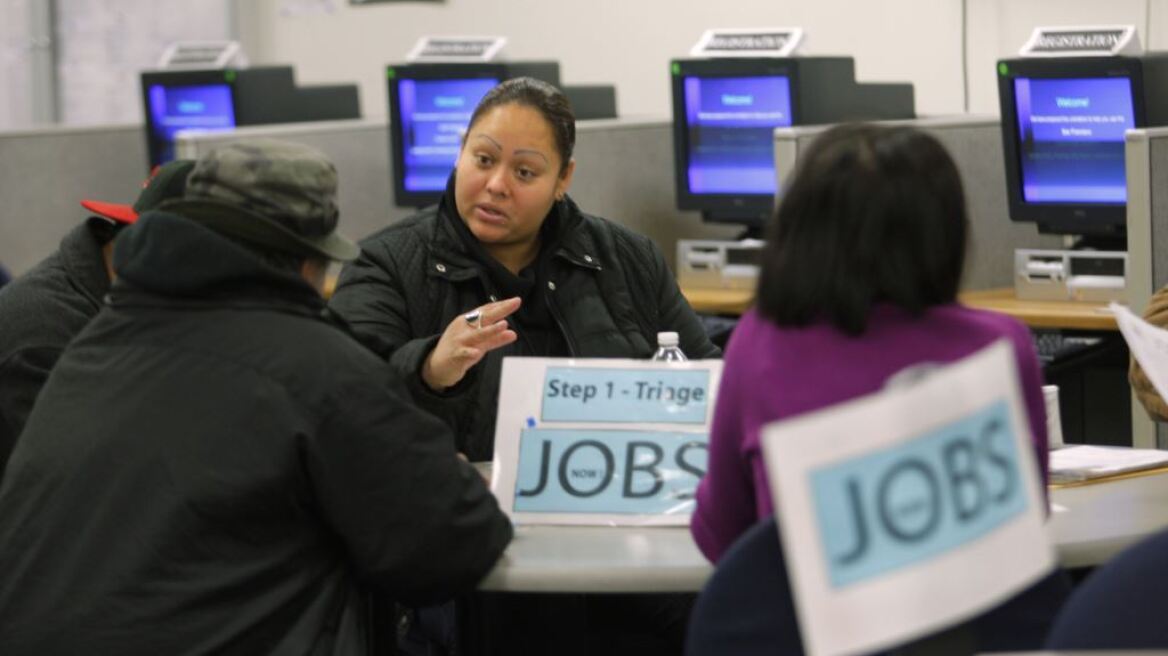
(874, 214)
(549, 101)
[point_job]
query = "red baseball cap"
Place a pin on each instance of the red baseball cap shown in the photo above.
(166, 182)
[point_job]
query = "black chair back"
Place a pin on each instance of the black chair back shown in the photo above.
(747, 608)
(1119, 606)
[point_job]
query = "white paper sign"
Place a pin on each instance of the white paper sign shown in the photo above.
(909, 510)
(748, 42)
(1148, 345)
(456, 49)
(1082, 41)
(593, 441)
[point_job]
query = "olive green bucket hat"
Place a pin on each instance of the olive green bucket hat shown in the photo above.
(274, 194)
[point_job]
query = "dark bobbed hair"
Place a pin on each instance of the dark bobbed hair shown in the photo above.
(874, 214)
(549, 101)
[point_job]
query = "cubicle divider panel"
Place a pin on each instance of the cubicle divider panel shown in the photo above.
(1158, 188)
(624, 172)
(976, 147)
(975, 144)
(45, 173)
(1139, 284)
(1147, 225)
(360, 150)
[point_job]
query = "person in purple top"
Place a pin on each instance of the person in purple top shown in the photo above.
(859, 281)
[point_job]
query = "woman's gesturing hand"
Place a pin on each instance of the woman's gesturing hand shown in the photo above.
(466, 340)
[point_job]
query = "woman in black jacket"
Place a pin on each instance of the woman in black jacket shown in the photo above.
(507, 264)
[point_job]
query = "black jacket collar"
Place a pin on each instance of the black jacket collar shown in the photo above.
(165, 259)
(570, 240)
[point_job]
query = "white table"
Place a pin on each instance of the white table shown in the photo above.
(600, 559)
(1091, 653)
(1089, 524)
(1094, 521)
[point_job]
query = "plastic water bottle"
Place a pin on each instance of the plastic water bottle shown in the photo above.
(667, 348)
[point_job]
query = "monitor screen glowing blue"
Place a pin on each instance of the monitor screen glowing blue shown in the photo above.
(433, 116)
(1071, 138)
(730, 123)
(174, 108)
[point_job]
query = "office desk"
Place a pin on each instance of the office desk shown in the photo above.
(1042, 314)
(1036, 314)
(719, 301)
(1089, 523)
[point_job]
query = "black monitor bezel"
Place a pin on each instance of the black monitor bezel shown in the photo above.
(181, 79)
(444, 71)
(751, 210)
(1086, 219)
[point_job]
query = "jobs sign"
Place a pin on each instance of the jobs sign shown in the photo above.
(582, 471)
(895, 507)
(602, 441)
(910, 509)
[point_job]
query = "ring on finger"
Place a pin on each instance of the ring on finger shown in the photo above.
(474, 318)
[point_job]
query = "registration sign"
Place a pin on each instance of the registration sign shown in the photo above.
(602, 441)
(748, 42)
(456, 49)
(1082, 41)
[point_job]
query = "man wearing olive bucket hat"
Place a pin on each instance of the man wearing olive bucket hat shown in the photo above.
(215, 467)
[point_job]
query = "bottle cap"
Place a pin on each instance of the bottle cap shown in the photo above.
(667, 339)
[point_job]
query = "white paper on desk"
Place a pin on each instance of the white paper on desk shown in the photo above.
(1148, 345)
(1082, 462)
(909, 510)
(602, 441)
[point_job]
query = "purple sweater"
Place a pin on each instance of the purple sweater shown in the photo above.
(774, 373)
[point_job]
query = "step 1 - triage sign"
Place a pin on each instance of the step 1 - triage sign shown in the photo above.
(909, 510)
(602, 441)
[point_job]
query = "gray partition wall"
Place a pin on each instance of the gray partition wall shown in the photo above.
(975, 144)
(45, 173)
(1147, 245)
(359, 148)
(624, 172)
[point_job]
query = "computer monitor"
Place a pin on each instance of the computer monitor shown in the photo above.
(725, 111)
(182, 100)
(724, 116)
(223, 99)
(1063, 124)
(430, 106)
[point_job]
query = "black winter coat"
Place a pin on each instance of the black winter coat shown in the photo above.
(608, 289)
(39, 313)
(214, 468)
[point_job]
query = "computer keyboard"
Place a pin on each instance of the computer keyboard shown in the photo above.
(1053, 345)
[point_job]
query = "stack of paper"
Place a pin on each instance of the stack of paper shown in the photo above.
(1148, 345)
(1079, 463)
